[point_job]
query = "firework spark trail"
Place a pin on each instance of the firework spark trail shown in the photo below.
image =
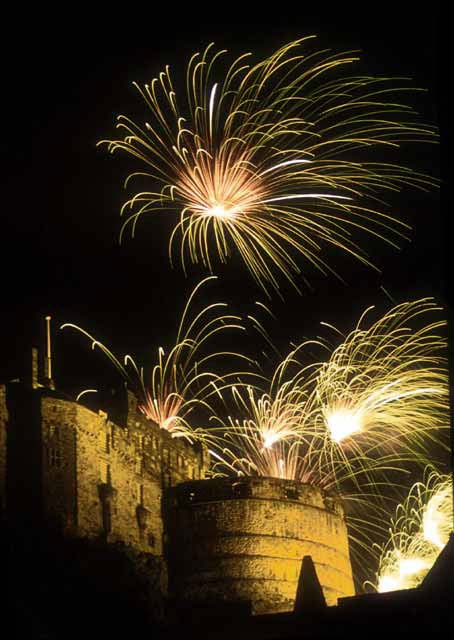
(268, 158)
(267, 442)
(418, 531)
(384, 390)
(378, 403)
(179, 382)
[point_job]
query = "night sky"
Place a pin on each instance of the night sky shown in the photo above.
(64, 83)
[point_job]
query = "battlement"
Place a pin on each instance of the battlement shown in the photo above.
(252, 487)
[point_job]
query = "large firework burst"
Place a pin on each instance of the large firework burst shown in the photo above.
(419, 529)
(181, 380)
(271, 157)
(377, 403)
(384, 390)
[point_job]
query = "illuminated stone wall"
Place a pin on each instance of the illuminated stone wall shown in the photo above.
(58, 419)
(102, 479)
(95, 477)
(118, 485)
(244, 540)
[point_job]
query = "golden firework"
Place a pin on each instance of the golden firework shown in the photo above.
(418, 531)
(384, 390)
(180, 382)
(267, 438)
(271, 157)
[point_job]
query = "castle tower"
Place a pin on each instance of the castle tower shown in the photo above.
(244, 539)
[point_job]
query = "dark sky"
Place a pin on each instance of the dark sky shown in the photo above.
(64, 83)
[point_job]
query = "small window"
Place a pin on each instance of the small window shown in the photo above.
(291, 494)
(151, 540)
(140, 494)
(54, 457)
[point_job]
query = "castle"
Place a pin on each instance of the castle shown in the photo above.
(114, 477)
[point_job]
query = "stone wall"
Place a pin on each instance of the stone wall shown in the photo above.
(240, 540)
(58, 419)
(102, 479)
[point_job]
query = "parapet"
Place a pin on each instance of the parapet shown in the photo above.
(254, 487)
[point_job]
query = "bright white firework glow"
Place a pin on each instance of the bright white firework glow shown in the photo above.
(418, 531)
(342, 423)
(220, 211)
(437, 516)
(385, 385)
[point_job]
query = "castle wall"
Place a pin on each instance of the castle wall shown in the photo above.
(58, 420)
(118, 494)
(245, 539)
(102, 479)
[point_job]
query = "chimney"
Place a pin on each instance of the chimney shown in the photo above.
(48, 381)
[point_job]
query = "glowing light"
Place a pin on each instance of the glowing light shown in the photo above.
(387, 583)
(409, 566)
(266, 440)
(419, 529)
(437, 515)
(280, 146)
(384, 388)
(220, 212)
(342, 424)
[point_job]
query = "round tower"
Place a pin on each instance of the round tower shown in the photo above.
(244, 539)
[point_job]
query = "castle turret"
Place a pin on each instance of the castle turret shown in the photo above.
(243, 540)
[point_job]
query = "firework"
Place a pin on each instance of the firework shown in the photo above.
(418, 531)
(267, 442)
(271, 158)
(384, 390)
(379, 400)
(179, 383)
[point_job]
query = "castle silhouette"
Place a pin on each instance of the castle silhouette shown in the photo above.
(129, 512)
